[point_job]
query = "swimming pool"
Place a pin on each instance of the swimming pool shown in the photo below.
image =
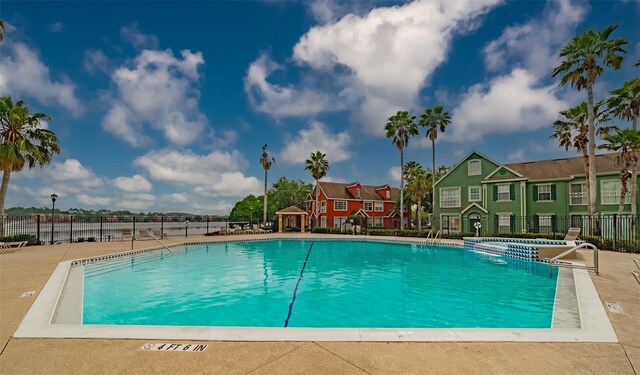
(320, 283)
(351, 289)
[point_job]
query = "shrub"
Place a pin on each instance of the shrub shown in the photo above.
(91, 239)
(30, 238)
(80, 239)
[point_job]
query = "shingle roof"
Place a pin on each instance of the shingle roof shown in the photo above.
(291, 210)
(562, 168)
(337, 190)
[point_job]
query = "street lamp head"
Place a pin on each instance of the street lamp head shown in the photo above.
(54, 196)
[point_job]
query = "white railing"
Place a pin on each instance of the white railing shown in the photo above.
(585, 245)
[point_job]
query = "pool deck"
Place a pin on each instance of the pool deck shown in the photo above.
(28, 269)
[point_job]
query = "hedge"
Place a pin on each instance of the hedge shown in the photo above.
(30, 238)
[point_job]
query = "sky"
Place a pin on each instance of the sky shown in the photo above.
(164, 106)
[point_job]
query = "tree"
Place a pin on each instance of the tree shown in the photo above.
(582, 62)
(435, 120)
(626, 143)
(624, 103)
(244, 209)
(24, 141)
(265, 160)
(3, 28)
(400, 127)
(285, 193)
(418, 186)
(318, 165)
(572, 132)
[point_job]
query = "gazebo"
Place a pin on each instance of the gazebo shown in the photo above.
(289, 216)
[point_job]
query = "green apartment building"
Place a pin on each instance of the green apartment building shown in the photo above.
(546, 196)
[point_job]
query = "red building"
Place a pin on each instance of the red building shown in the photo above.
(338, 201)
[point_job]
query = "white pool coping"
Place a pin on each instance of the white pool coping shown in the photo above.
(37, 323)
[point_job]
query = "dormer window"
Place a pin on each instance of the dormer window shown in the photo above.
(388, 194)
(474, 168)
(358, 194)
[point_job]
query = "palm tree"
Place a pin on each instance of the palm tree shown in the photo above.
(318, 165)
(3, 28)
(266, 161)
(417, 187)
(582, 63)
(435, 120)
(400, 127)
(24, 142)
(624, 103)
(627, 144)
(572, 132)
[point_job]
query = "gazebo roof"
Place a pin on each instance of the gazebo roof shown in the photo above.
(291, 210)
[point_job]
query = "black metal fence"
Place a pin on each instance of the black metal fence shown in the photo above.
(68, 228)
(614, 228)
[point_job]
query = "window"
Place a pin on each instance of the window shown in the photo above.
(544, 224)
(368, 206)
(611, 193)
(450, 197)
(578, 194)
(323, 221)
(504, 193)
(504, 222)
(339, 221)
(544, 192)
(474, 194)
(340, 205)
(323, 206)
(370, 222)
(474, 168)
(450, 223)
(378, 222)
(388, 194)
(357, 192)
(379, 206)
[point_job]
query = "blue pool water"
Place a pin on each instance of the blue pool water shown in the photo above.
(344, 284)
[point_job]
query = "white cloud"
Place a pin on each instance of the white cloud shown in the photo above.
(535, 44)
(55, 27)
(507, 104)
(133, 205)
(177, 197)
(394, 173)
(141, 196)
(93, 201)
(138, 39)
(317, 137)
(282, 101)
(214, 175)
(172, 109)
(134, 184)
(22, 73)
(96, 61)
(517, 155)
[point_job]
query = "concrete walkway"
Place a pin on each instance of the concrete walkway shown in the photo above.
(29, 269)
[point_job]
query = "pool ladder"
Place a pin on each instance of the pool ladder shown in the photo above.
(636, 274)
(434, 239)
(160, 242)
(585, 245)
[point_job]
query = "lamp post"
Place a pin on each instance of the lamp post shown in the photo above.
(250, 217)
(54, 196)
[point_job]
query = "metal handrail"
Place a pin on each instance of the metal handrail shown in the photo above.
(160, 242)
(437, 237)
(584, 245)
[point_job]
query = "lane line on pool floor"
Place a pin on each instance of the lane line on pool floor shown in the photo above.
(293, 299)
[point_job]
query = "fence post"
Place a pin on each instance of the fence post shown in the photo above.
(615, 230)
(38, 229)
(101, 228)
(161, 225)
(207, 223)
(71, 229)
(133, 232)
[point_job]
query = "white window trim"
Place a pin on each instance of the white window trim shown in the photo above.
(375, 207)
(388, 194)
(459, 197)
(479, 167)
(627, 199)
(323, 207)
(345, 205)
(479, 193)
(585, 194)
(544, 200)
(550, 221)
(364, 206)
(508, 191)
(323, 222)
(451, 215)
(503, 214)
(338, 218)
